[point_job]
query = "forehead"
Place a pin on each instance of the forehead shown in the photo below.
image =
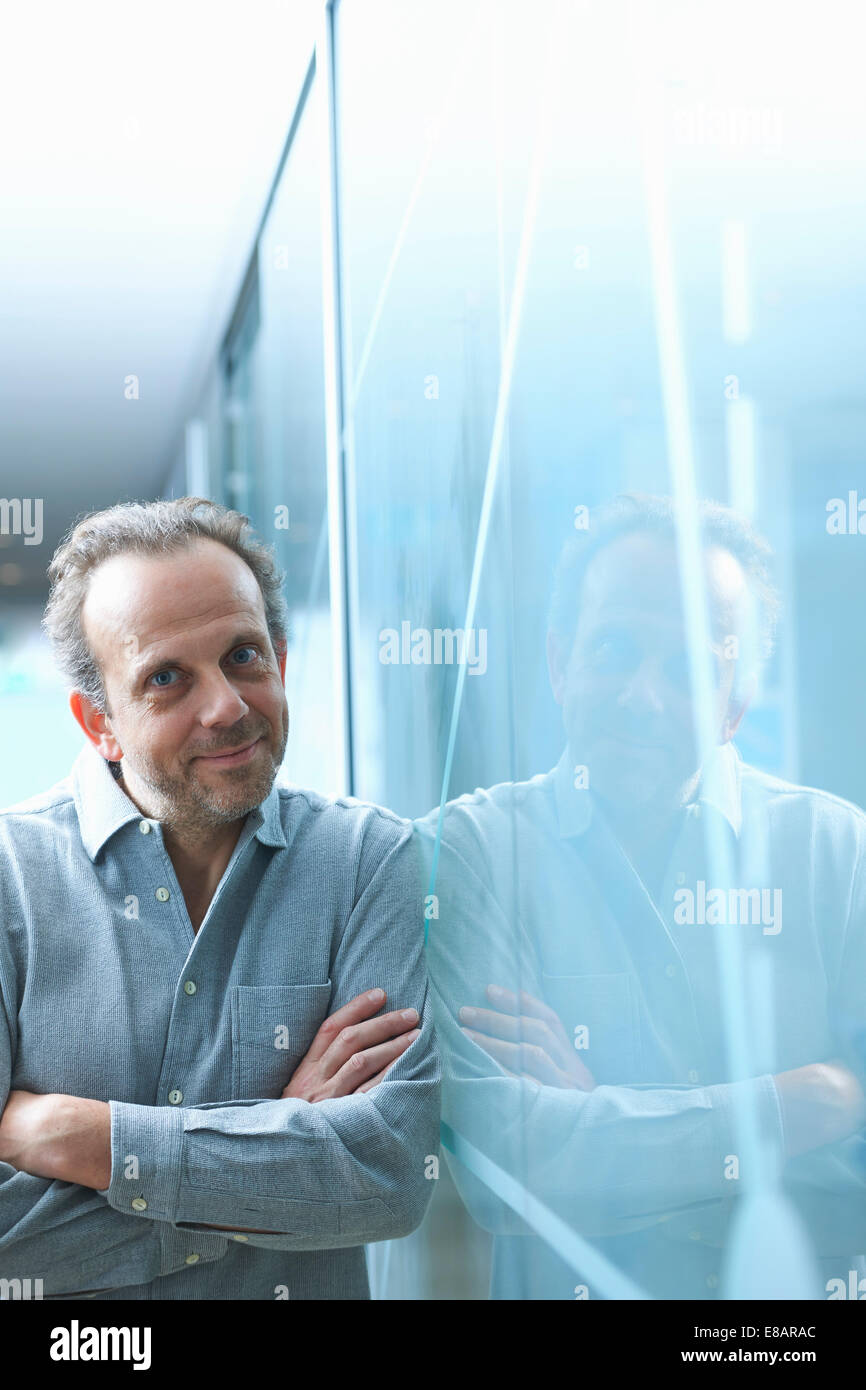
(637, 577)
(137, 601)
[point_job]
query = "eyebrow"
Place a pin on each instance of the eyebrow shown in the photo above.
(247, 638)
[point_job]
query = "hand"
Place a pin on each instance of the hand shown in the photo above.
(58, 1137)
(527, 1040)
(821, 1104)
(352, 1051)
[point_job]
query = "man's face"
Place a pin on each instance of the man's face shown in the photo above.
(625, 686)
(190, 675)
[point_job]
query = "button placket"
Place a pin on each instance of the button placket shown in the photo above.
(189, 987)
(685, 868)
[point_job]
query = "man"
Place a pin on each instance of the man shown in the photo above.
(203, 1095)
(584, 923)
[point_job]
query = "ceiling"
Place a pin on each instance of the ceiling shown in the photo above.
(137, 153)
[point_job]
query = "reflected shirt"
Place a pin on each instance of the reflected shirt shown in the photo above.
(107, 992)
(534, 892)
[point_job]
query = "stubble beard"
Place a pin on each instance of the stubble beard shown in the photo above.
(188, 807)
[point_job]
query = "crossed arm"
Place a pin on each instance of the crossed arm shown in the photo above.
(821, 1102)
(68, 1138)
(337, 1160)
(610, 1159)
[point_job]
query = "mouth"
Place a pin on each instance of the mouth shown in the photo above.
(628, 741)
(233, 757)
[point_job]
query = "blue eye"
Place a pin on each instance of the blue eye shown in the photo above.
(246, 649)
(161, 684)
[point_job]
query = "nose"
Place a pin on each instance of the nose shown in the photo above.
(220, 702)
(643, 692)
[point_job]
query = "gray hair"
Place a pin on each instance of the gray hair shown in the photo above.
(631, 512)
(146, 528)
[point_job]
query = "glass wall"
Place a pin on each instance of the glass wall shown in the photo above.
(581, 251)
(272, 464)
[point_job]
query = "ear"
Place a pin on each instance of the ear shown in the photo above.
(556, 668)
(281, 662)
(96, 726)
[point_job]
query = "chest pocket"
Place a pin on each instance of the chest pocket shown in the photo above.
(272, 1028)
(604, 1009)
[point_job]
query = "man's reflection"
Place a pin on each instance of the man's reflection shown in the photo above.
(579, 1001)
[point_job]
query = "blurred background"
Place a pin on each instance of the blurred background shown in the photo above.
(409, 285)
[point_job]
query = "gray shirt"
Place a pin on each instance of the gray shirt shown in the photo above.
(106, 992)
(534, 892)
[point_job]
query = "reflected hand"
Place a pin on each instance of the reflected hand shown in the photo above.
(527, 1039)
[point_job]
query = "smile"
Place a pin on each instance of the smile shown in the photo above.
(233, 758)
(629, 742)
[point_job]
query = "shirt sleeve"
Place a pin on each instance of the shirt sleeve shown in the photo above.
(828, 1185)
(64, 1235)
(321, 1175)
(607, 1161)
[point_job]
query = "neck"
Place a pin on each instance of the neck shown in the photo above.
(640, 833)
(197, 848)
(199, 861)
(644, 833)
(199, 854)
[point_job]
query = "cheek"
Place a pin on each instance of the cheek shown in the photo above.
(160, 734)
(270, 702)
(588, 689)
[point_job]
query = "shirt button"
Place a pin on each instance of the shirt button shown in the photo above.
(175, 1097)
(694, 1077)
(712, 1281)
(163, 895)
(191, 1260)
(239, 1237)
(144, 827)
(189, 986)
(694, 1235)
(670, 971)
(139, 1203)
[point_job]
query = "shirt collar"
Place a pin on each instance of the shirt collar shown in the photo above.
(104, 808)
(720, 787)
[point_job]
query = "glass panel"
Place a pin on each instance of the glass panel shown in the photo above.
(564, 280)
(275, 434)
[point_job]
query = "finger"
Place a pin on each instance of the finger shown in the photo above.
(508, 1027)
(581, 1074)
(524, 1058)
(374, 1080)
(507, 1000)
(519, 1029)
(527, 1005)
(507, 1054)
(357, 1009)
(362, 1066)
(358, 1037)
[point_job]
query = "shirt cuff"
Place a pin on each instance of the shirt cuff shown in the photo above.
(146, 1152)
(768, 1114)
